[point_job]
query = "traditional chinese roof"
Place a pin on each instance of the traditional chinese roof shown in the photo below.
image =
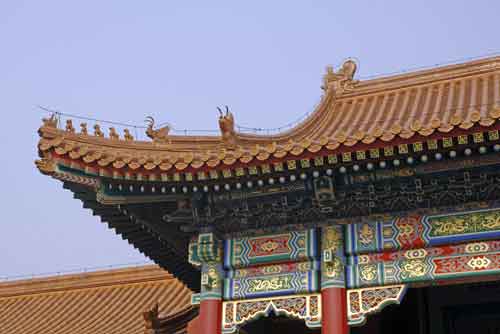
(157, 194)
(353, 115)
(111, 301)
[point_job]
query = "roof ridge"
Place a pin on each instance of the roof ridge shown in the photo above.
(102, 278)
(426, 75)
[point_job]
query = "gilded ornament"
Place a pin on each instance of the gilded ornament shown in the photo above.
(406, 229)
(113, 134)
(468, 223)
(45, 165)
(50, 122)
(366, 234)
(157, 135)
(269, 246)
(332, 239)
(476, 247)
(369, 272)
(414, 268)
(83, 129)
(226, 126)
(415, 254)
(493, 135)
(342, 80)
(491, 222)
(479, 262)
(270, 284)
(69, 126)
(127, 135)
(211, 278)
(97, 131)
(334, 268)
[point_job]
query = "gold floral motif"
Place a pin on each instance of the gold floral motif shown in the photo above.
(415, 254)
(479, 262)
(332, 239)
(369, 272)
(414, 268)
(406, 230)
(270, 284)
(476, 247)
(366, 234)
(492, 222)
(269, 246)
(211, 278)
(466, 223)
(333, 268)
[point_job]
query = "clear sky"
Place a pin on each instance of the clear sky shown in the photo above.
(177, 60)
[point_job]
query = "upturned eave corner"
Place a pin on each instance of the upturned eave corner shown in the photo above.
(46, 166)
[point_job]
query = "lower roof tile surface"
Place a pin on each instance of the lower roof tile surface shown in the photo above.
(100, 302)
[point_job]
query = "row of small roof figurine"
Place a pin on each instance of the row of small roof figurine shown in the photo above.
(97, 131)
(226, 125)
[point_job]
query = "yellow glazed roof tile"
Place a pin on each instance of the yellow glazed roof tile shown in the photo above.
(100, 302)
(351, 113)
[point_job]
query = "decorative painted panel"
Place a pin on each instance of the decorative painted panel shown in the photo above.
(421, 267)
(206, 248)
(415, 231)
(278, 268)
(211, 281)
(362, 302)
(304, 307)
(333, 260)
(271, 285)
(205, 253)
(470, 248)
(285, 247)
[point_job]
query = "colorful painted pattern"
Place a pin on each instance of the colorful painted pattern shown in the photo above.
(422, 231)
(271, 285)
(286, 247)
(205, 253)
(304, 307)
(206, 248)
(333, 260)
(211, 281)
(425, 267)
(278, 268)
(362, 302)
(470, 248)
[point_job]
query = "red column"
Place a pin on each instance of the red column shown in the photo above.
(211, 316)
(334, 311)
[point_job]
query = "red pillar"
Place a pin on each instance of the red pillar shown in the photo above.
(211, 316)
(334, 311)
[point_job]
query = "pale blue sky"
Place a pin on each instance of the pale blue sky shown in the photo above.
(123, 60)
